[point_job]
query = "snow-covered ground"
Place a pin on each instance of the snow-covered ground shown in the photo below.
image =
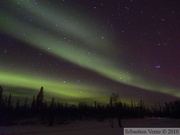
(92, 127)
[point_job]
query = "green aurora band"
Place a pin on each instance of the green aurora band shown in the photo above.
(74, 53)
(56, 87)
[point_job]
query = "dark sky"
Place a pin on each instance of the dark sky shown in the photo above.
(87, 49)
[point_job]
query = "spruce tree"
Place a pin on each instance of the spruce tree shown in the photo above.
(1, 95)
(9, 101)
(25, 103)
(33, 104)
(40, 98)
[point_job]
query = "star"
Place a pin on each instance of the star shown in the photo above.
(157, 66)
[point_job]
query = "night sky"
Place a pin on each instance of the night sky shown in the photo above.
(87, 49)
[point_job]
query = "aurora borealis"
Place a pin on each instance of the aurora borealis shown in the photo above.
(89, 49)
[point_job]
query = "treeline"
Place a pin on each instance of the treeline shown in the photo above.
(42, 112)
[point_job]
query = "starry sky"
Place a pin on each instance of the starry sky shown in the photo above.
(87, 49)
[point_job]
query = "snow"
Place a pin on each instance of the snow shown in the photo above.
(86, 127)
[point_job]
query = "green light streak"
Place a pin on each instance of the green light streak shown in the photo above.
(74, 54)
(50, 18)
(54, 87)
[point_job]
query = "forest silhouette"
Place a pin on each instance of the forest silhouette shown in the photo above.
(55, 113)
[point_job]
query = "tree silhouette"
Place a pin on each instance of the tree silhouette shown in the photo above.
(33, 104)
(52, 113)
(116, 109)
(52, 104)
(40, 99)
(113, 102)
(1, 95)
(17, 105)
(114, 98)
(25, 103)
(9, 101)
